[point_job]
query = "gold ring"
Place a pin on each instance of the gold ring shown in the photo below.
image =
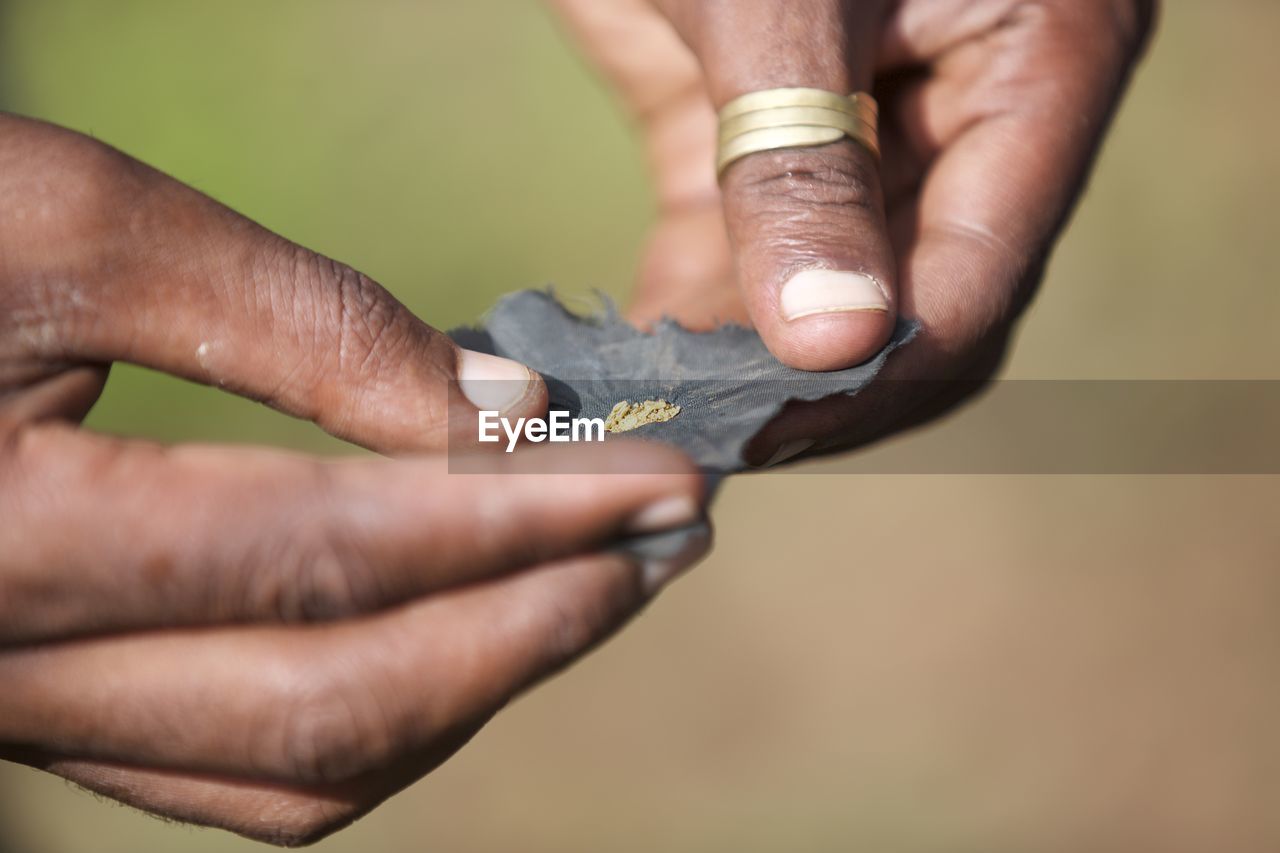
(795, 118)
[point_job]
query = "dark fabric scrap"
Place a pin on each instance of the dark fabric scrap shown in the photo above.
(726, 381)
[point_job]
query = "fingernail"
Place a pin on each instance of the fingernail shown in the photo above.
(789, 450)
(664, 556)
(684, 548)
(831, 292)
(490, 383)
(666, 514)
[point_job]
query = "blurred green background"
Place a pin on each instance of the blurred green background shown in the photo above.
(1055, 663)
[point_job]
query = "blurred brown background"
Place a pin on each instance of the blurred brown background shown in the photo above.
(886, 663)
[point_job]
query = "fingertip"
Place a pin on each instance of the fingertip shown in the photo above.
(492, 383)
(833, 338)
(489, 386)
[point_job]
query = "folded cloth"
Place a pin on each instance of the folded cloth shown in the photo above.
(726, 382)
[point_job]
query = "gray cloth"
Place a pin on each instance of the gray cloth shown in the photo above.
(726, 382)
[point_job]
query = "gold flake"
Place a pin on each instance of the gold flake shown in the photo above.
(625, 416)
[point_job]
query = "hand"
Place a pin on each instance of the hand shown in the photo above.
(991, 113)
(248, 638)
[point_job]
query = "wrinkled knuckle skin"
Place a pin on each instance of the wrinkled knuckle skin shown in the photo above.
(831, 179)
(371, 327)
(317, 571)
(342, 325)
(373, 330)
(331, 730)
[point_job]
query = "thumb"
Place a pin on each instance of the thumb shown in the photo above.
(807, 225)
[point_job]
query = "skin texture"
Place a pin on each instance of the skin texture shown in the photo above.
(991, 114)
(243, 637)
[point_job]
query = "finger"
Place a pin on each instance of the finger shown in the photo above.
(272, 813)
(687, 269)
(278, 813)
(1006, 175)
(807, 225)
(198, 535)
(121, 262)
(55, 394)
(687, 272)
(318, 705)
(635, 48)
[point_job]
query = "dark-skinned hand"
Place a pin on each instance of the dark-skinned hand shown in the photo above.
(248, 638)
(992, 112)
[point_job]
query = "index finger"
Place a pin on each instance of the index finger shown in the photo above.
(104, 535)
(104, 259)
